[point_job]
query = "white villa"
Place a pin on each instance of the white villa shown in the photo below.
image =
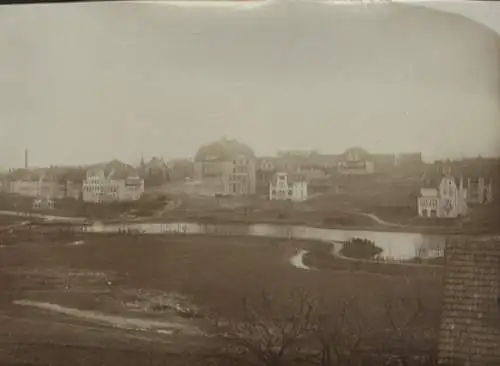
(284, 186)
(448, 200)
(112, 182)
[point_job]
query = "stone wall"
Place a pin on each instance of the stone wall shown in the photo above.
(470, 322)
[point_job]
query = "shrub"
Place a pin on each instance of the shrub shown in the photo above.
(360, 248)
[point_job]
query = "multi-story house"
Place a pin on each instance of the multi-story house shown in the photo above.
(154, 172)
(111, 182)
(356, 161)
(226, 167)
(265, 170)
(71, 179)
(285, 186)
(476, 175)
(242, 178)
(35, 183)
(479, 190)
(449, 200)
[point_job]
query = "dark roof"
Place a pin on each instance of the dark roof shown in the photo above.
(156, 163)
(464, 169)
(291, 177)
(223, 150)
(63, 175)
(266, 163)
(24, 174)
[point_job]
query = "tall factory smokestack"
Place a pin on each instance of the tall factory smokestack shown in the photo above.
(26, 158)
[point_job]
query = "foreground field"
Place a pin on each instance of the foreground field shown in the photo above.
(153, 278)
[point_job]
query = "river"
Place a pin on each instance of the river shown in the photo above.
(394, 245)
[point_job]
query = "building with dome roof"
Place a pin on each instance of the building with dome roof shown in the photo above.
(225, 167)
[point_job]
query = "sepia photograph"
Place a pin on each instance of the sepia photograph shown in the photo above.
(250, 183)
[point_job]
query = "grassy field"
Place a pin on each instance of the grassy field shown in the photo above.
(6, 220)
(209, 274)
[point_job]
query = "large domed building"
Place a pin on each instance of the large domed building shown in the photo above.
(225, 167)
(223, 150)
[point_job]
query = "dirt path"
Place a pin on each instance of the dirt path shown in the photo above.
(297, 260)
(378, 220)
(43, 216)
(137, 324)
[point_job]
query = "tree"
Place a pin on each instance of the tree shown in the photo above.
(341, 334)
(270, 333)
(302, 330)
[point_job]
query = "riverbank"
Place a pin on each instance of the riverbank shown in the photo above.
(340, 220)
(372, 226)
(325, 261)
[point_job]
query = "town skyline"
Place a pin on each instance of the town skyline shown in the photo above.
(176, 79)
(25, 161)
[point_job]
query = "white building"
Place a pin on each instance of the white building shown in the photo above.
(448, 200)
(112, 182)
(287, 187)
(37, 187)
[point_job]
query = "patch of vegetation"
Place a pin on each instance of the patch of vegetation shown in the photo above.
(360, 248)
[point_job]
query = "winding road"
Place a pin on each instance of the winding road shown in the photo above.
(378, 220)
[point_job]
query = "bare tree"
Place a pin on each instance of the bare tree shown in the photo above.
(407, 330)
(341, 334)
(271, 333)
(306, 331)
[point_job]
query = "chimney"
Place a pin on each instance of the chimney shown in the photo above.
(25, 158)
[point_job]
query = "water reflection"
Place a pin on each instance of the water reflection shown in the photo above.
(394, 245)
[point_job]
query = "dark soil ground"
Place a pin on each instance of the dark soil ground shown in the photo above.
(6, 220)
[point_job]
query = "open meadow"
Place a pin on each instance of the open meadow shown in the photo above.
(182, 283)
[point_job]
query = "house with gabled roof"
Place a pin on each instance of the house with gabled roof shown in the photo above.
(225, 166)
(447, 200)
(112, 182)
(477, 180)
(154, 172)
(40, 183)
(288, 186)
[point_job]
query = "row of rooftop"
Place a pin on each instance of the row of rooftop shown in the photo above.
(228, 166)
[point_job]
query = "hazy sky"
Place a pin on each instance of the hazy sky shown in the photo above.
(81, 83)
